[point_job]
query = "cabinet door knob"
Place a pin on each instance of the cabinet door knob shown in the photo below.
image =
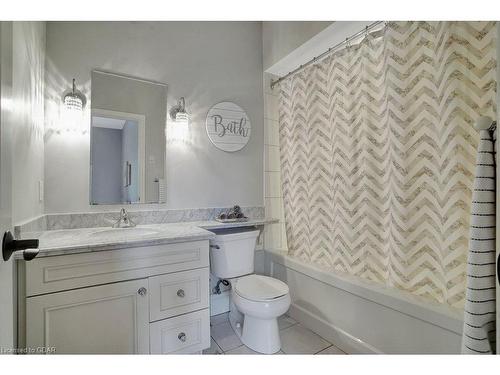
(181, 293)
(182, 336)
(142, 291)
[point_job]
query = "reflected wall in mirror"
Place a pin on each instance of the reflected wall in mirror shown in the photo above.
(127, 140)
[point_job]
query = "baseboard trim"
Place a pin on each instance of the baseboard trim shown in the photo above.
(342, 339)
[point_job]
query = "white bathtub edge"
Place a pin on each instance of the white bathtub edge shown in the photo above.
(442, 316)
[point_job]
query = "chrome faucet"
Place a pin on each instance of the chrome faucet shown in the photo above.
(124, 220)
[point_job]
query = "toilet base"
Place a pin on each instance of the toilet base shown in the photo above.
(260, 335)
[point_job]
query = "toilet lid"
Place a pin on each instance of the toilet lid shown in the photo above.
(260, 288)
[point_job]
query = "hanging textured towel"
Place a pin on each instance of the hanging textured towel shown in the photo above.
(479, 317)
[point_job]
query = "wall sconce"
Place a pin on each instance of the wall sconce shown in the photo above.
(74, 99)
(180, 126)
(71, 113)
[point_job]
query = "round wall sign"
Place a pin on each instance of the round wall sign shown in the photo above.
(228, 126)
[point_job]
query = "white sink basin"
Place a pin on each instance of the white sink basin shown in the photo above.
(117, 233)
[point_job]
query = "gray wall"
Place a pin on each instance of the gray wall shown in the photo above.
(282, 37)
(207, 62)
(28, 117)
(107, 178)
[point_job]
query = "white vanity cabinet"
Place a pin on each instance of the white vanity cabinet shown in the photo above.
(149, 299)
(111, 319)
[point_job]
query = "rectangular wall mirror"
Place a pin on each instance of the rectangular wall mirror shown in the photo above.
(127, 139)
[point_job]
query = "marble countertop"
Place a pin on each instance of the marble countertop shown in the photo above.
(72, 241)
(213, 224)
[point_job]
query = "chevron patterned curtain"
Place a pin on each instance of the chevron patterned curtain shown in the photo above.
(378, 150)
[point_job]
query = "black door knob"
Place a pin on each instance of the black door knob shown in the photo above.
(10, 245)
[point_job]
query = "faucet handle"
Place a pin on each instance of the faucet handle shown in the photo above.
(124, 221)
(120, 214)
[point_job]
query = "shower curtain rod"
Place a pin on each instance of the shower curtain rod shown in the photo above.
(328, 51)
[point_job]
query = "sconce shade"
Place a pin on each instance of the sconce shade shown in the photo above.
(73, 103)
(179, 129)
(182, 117)
(178, 111)
(74, 99)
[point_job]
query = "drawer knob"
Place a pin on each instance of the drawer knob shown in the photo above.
(181, 293)
(182, 337)
(142, 291)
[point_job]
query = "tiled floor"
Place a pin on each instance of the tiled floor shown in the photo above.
(295, 339)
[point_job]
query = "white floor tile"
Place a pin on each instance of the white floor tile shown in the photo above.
(214, 348)
(225, 337)
(331, 350)
(219, 319)
(299, 340)
(285, 321)
(246, 350)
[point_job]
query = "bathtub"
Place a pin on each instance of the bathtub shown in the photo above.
(364, 317)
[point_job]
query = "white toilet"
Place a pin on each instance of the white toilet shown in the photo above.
(256, 301)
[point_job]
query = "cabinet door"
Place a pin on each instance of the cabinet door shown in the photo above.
(107, 319)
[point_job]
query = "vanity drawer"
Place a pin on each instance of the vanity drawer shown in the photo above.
(188, 333)
(178, 293)
(63, 272)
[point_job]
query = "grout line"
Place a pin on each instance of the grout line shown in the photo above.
(291, 325)
(218, 346)
(281, 330)
(336, 347)
(329, 346)
(284, 329)
(233, 348)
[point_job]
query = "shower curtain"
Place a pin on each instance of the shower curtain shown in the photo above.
(377, 149)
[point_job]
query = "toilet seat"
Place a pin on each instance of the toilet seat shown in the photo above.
(260, 288)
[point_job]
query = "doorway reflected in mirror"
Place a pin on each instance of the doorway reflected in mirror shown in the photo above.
(127, 148)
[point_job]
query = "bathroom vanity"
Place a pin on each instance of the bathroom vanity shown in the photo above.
(126, 290)
(139, 290)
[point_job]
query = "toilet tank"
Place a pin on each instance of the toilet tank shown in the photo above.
(232, 252)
